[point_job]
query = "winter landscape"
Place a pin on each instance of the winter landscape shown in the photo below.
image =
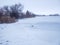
(29, 28)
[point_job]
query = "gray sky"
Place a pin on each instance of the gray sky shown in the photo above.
(36, 6)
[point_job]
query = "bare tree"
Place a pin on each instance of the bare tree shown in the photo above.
(16, 10)
(6, 10)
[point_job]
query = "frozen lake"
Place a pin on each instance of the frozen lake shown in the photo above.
(31, 31)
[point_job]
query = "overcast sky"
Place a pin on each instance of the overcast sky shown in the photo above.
(36, 6)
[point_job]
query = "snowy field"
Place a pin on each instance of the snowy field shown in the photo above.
(31, 31)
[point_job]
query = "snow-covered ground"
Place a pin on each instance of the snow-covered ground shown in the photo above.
(31, 31)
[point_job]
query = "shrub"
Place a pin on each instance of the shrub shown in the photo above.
(7, 19)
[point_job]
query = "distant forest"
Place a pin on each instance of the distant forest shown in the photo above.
(10, 14)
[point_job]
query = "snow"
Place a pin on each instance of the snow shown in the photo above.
(31, 31)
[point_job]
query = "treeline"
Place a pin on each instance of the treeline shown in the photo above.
(9, 14)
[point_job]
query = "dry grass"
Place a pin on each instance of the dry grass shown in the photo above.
(7, 19)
